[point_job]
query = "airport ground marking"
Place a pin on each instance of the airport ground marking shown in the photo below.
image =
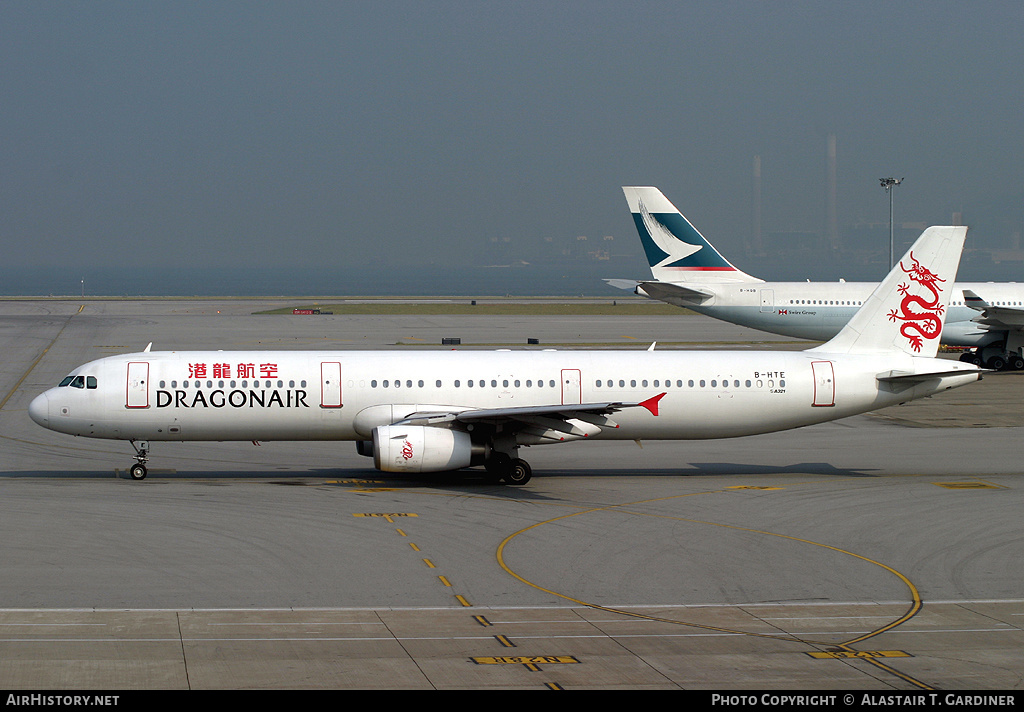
(980, 484)
(857, 654)
(39, 358)
(389, 516)
(915, 604)
(531, 662)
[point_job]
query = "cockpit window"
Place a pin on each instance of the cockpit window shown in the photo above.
(89, 382)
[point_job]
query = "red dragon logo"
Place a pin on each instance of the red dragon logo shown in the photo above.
(919, 313)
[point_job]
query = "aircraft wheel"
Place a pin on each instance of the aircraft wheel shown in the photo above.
(1017, 363)
(138, 471)
(996, 363)
(519, 472)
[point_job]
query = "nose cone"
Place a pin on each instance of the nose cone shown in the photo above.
(39, 410)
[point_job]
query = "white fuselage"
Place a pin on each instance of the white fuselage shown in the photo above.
(818, 310)
(220, 395)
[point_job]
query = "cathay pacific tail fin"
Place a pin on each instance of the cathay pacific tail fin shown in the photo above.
(675, 249)
(907, 310)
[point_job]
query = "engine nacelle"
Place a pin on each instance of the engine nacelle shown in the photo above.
(416, 448)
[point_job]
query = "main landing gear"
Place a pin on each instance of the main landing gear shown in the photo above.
(995, 358)
(510, 470)
(138, 471)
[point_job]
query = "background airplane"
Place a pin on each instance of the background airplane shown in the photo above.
(446, 410)
(689, 272)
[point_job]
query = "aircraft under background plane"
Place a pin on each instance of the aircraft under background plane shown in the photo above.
(446, 410)
(689, 272)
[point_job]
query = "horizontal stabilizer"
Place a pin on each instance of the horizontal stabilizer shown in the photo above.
(671, 292)
(910, 378)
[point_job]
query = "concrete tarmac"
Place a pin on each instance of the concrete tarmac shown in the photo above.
(876, 553)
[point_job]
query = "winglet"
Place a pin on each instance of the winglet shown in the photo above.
(974, 301)
(651, 404)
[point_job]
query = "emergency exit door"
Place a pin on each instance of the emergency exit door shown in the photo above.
(824, 383)
(330, 385)
(572, 390)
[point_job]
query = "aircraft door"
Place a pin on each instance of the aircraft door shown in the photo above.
(572, 391)
(330, 384)
(137, 388)
(767, 300)
(824, 384)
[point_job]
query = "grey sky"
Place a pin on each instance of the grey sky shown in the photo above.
(411, 133)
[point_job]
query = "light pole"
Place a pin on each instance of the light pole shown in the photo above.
(887, 185)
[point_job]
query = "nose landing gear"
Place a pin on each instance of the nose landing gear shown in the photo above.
(138, 471)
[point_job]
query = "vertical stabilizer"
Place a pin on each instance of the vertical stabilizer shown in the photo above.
(676, 251)
(907, 310)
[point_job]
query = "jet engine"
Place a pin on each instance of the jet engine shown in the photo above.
(416, 448)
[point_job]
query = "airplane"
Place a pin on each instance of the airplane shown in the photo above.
(689, 272)
(448, 410)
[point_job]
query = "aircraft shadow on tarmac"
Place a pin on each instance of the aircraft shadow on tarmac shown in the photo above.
(465, 477)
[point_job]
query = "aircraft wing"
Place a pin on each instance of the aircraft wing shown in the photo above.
(663, 291)
(558, 422)
(993, 316)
